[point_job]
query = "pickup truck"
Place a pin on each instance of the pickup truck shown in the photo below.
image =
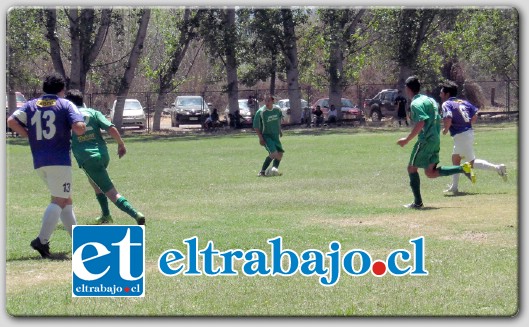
(382, 105)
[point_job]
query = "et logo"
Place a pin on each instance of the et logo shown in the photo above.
(108, 261)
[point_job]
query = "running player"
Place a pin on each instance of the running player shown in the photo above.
(458, 117)
(48, 122)
(90, 151)
(267, 125)
(425, 154)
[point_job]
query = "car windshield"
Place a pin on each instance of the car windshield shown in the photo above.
(243, 104)
(347, 103)
(190, 102)
(132, 105)
(21, 98)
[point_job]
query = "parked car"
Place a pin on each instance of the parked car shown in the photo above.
(133, 113)
(246, 117)
(189, 110)
(382, 105)
(284, 105)
(349, 110)
(20, 98)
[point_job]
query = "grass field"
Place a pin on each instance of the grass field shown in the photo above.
(343, 184)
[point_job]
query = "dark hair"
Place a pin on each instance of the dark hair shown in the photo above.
(53, 83)
(75, 96)
(413, 84)
(449, 87)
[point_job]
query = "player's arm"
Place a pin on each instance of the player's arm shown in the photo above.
(414, 132)
(260, 135)
(474, 118)
(79, 127)
(114, 133)
(447, 122)
(17, 127)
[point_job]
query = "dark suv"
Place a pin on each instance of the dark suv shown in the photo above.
(382, 105)
(189, 109)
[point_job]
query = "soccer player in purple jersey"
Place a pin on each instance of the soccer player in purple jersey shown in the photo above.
(48, 122)
(458, 117)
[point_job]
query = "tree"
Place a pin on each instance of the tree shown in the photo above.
(340, 34)
(219, 32)
(88, 29)
(273, 33)
(185, 22)
(128, 76)
(24, 52)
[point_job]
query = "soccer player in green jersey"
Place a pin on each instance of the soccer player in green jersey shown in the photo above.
(267, 125)
(90, 151)
(424, 113)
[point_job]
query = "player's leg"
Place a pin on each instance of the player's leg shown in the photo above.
(268, 160)
(68, 217)
(276, 155)
(58, 179)
(95, 170)
(123, 204)
(482, 164)
(454, 187)
(413, 174)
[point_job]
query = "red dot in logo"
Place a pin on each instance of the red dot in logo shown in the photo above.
(127, 289)
(378, 268)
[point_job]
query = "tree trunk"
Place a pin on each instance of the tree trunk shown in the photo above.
(128, 76)
(291, 56)
(336, 77)
(75, 52)
(231, 61)
(186, 35)
(55, 48)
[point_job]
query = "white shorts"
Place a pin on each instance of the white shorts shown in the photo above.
(58, 179)
(464, 145)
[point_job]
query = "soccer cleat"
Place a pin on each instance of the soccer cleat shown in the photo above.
(43, 249)
(261, 174)
(140, 218)
(104, 219)
(502, 171)
(469, 172)
(413, 205)
(451, 189)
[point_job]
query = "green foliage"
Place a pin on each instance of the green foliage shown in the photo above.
(26, 46)
(488, 39)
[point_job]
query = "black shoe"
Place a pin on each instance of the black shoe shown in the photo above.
(413, 205)
(140, 218)
(43, 249)
(261, 174)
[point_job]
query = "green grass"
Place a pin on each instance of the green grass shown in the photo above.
(345, 185)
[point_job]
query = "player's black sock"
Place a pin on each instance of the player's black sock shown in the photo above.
(276, 163)
(266, 163)
(415, 183)
(103, 202)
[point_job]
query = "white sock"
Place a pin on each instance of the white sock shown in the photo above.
(484, 165)
(68, 218)
(49, 222)
(455, 181)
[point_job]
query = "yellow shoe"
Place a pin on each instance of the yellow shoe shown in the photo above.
(469, 172)
(104, 220)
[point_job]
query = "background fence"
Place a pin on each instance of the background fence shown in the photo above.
(494, 95)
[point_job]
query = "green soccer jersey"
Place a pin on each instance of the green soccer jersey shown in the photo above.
(268, 121)
(425, 108)
(91, 143)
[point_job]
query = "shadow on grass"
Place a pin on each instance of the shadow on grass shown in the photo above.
(59, 256)
(200, 134)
